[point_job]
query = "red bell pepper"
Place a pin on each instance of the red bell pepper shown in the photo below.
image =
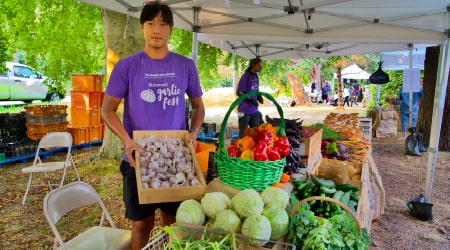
(252, 132)
(261, 151)
(265, 136)
(234, 151)
(274, 155)
(283, 146)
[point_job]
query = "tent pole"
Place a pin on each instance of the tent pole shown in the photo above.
(195, 28)
(438, 110)
(410, 46)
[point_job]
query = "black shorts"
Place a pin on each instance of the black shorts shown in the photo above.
(133, 210)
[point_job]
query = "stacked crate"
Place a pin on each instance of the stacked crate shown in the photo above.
(86, 98)
(42, 119)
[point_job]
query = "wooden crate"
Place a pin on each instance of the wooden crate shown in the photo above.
(85, 117)
(80, 135)
(87, 82)
(86, 100)
(311, 146)
(172, 194)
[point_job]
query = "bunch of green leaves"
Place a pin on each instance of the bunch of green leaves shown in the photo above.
(300, 224)
(327, 133)
(199, 239)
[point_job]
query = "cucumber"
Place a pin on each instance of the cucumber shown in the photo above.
(354, 196)
(307, 191)
(328, 190)
(346, 198)
(338, 195)
(352, 205)
(322, 182)
(301, 186)
(344, 187)
(299, 181)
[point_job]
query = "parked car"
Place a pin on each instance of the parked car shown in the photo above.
(23, 83)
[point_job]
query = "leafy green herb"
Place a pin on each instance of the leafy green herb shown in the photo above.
(327, 133)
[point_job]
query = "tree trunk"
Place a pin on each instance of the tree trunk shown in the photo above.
(427, 101)
(297, 90)
(123, 37)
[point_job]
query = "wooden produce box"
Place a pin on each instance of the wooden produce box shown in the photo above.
(309, 150)
(198, 232)
(172, 194)
(87, 82)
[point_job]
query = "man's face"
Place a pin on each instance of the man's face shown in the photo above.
(156, 32)
(257, 67)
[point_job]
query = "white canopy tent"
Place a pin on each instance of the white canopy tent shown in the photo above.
(354, 72)
(275, 29)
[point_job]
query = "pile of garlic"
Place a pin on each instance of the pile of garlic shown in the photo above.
(166, 163)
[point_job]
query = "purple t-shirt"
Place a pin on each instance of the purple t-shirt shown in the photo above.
(154, 90)
(248, 82)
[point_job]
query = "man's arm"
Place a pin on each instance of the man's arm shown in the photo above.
(198, 115)
(109, 115)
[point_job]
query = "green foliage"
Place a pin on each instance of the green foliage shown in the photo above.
(56, 37)
(391, 89)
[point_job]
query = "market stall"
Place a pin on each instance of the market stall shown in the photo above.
(262, 195)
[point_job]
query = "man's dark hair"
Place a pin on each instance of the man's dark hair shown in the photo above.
(253, 62)
(150, 11)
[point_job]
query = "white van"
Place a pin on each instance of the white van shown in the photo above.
(22, 83)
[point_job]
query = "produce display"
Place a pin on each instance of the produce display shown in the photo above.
(166, 163)
(259, 217)
(345, 193)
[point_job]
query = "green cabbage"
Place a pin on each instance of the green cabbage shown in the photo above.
(279, 221)
(275, 196)
(247, 202)
(257, 227)
(191, 212)
(228, 221)
(214, 202)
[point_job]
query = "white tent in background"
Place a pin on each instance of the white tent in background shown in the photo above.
(353, 72)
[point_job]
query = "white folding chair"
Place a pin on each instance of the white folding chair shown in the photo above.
(44, 166)
(71, 197)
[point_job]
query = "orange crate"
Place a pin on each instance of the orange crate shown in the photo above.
(37, 131)
(80, 135)
(45, 109)
(86, 100)
(87, 82)
(85, 117)
(95, 133)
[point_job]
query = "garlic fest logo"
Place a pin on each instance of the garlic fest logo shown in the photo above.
(163, 92)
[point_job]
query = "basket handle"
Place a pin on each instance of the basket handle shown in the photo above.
(235, 104)
(342, 205)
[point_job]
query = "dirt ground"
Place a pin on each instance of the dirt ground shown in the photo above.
(24, 227)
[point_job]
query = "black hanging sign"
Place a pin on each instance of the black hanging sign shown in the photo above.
(379, 77)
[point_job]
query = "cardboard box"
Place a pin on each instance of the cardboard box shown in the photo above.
(157, 195)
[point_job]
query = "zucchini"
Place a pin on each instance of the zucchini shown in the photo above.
(321, 182)
(328, 190)
(299, 181)
(346, 198)
(307, 191)
(301, 186)
(354, 196)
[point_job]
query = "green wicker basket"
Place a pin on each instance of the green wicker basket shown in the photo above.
(247, 174)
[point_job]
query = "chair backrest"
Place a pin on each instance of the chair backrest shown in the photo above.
(64, 199)
(56, 139)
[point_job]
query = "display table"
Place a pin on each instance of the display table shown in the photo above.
(384, 123)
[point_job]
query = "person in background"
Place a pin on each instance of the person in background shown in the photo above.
(325, 91)
(346, 96)
(153, 84)
(354, 95)
(366, 95)
(248, 113)
(403, 97)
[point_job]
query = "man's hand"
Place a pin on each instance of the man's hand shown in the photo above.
(260, 99)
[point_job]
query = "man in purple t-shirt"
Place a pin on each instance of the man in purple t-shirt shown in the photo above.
(248, 109)
(153, 84)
